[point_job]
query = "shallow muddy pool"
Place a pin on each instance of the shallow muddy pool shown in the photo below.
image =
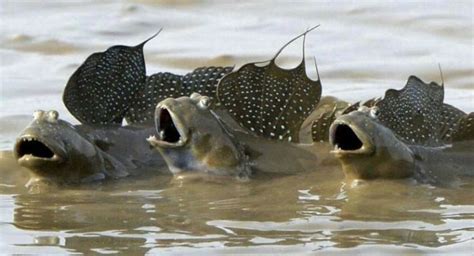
(361, 49)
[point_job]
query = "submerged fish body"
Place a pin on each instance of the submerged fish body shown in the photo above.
(59, 152)
(192, 138)
(431, 142)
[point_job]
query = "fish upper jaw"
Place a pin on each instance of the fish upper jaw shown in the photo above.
(348, 139)
(170, 131)
(34, 151)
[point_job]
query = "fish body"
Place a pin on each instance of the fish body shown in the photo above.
(193, 138)
(369, 150)
(261, 110)
(57, 151)
(408, 133)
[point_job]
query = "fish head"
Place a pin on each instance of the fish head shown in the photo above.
(190, 137)
(367, 149)
(53, 149)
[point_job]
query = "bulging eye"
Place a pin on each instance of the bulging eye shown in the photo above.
(53, 116)
(374, 112)
(38, 114)
(204, 102)
(195, 96)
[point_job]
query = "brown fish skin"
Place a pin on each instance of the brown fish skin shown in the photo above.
(190, 138)
(193, 139)
(56, 151)
(367, 149)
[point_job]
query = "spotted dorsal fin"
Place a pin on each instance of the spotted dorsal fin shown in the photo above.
(101, 89)
(320, 126)
(268, 100)
(449, 121)
(464, 129)
(413, 112)
(167, 85)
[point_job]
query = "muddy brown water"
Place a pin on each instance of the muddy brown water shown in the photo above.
(362, 49)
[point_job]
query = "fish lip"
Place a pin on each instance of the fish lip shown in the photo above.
(367, 147)
(157, 140)
(30, 160)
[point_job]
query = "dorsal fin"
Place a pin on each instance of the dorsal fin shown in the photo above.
(464, 128)
(160, 86)
(449, 122)
(414, 111)
(320, 126)
(268, 100)
(101, 89)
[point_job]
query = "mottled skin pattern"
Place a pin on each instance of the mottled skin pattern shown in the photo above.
(56, 151)
(204, 144)
(268, 100)
(101, 89)
(384, 154)
(408, 133)
(111, 86)
(208, 145)
(164, 85)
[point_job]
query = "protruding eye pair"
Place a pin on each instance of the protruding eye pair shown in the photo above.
(50, 116)
(202, 102)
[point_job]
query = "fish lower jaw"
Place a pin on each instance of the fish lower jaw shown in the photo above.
(338, 152)
(29, 160)
(159, 142)
(31, 151)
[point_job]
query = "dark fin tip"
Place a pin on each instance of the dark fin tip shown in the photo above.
(294, 39)
(441, 75)
(413, 77)
(151, 37)
(317, 71)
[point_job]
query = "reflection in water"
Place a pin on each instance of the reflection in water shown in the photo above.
(135, 216)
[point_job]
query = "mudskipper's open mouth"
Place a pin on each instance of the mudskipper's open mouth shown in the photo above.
(169, 131)
(166, 128)
(31, 150)
(347, 139)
